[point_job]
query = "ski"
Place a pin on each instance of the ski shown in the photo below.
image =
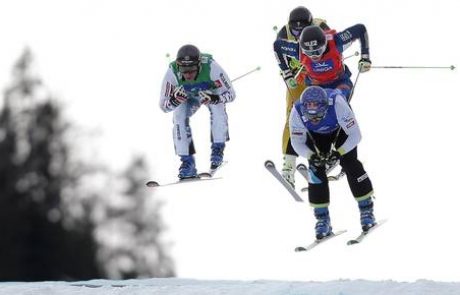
(363, 234)
(318, 242)
(303, 170)
(270, 166)
(203, 177)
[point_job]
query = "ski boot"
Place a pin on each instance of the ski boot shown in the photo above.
(288, 171)
(187, 168)
(217, 155)
(323, 226)
(366, 208)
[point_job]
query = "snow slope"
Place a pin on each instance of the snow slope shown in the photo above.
(200, 287)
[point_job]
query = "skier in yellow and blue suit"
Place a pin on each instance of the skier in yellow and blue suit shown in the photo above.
(286, 49)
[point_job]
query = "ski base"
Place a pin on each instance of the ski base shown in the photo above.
(204, 176)
(318, 242)
(270, 166)
(363, 235)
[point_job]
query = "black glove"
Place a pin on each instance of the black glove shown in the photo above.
(288, 77)
(317, 160)
(178, 96)
(364, 64)
(207, 97)
(333, 157)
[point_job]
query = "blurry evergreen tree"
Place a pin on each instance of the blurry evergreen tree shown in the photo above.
(49, 228)
(38, 240)
(131, 232)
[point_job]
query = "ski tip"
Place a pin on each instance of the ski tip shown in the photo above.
(269, 164)
(300, 249)
(301, 166)
(352, 242)
(152, 184)
(304, 189)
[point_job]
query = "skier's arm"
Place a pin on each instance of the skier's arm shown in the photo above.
(283, 48)
(281, 37)
(287, 55)
(298, 133)
(347, 121)
(345, 38)
(225, 88)
(167, 102)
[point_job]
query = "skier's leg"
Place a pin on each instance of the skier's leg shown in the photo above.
(361, 187)
(289, 155)
(318, 196)
(219, 133)
(183, 141)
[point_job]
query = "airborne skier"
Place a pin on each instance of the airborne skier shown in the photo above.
(324, 130)
(286, 49)
(192, 80)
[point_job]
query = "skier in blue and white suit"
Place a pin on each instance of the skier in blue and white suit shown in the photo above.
(192, 80)
(324, 130)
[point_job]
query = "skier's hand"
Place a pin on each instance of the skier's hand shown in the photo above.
(316, 160)
(207, 97)
(288, 77)
(333, 157)
(364, 64)
(178, 96)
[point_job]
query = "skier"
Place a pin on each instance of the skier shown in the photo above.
(321, 56)
(324, 130)
(286, 49)
(192, 80)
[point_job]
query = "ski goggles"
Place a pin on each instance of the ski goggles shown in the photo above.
(315, 53)
(188, 69)
(314, 111)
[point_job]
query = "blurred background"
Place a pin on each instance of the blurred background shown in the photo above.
(62, 217)
(81, 132)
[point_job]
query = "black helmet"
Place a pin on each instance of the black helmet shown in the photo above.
(188, 58)
(313, 41)
(299, 18)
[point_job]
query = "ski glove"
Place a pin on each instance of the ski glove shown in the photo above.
(333, 157)
(288, 77)
(178, 96)
(364, 64)
(207, 97)
(316, 160)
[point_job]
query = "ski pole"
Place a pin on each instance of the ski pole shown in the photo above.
(349, 100)
(244, 75)
(413, 67)
(168, 56)
(354, 54)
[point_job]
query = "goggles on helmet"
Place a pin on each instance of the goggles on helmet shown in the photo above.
(315, 53)
(314, 110)
(188, 68)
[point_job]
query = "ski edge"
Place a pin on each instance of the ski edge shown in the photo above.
(363, 235)
(318, 242)
(155, 184)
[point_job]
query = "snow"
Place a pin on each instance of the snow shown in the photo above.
(173, 286)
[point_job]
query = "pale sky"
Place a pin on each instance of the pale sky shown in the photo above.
(106, 61)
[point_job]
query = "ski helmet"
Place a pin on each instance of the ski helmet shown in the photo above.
(315, 103)
(299, 18)
(313, 42)
(188, 58)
